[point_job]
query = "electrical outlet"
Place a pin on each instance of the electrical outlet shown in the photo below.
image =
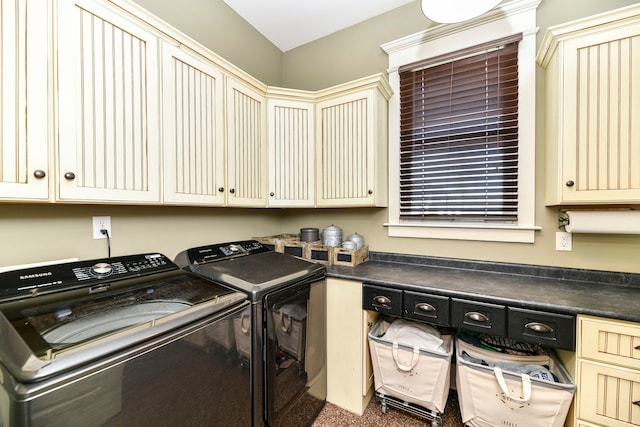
(101, 223)
(563, 241)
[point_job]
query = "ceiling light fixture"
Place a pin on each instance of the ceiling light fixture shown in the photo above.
(450, 11)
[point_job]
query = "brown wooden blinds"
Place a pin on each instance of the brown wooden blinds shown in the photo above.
(459, 135)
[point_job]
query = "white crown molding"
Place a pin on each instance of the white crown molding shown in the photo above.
(442, 30)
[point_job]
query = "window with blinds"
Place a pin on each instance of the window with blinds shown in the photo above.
(459, 135)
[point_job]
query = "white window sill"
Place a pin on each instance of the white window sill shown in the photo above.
(487, 233)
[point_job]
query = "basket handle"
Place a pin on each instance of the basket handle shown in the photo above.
(243, 328)
(286, 328)
(526, 385)
(414, 358)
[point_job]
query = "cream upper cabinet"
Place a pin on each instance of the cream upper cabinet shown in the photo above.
(192, 129)
(593, 105)
(24, 118)
(351, 144)
(291, 152)
(246, 145)
(608, 373)
(108, 106)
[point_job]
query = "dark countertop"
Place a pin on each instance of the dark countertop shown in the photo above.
(558, 290)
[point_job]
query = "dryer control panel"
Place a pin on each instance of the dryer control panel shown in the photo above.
(217, 252)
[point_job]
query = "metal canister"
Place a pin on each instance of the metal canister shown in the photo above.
(309, 234)
(357, 239)
(348, 244)
(332, 236)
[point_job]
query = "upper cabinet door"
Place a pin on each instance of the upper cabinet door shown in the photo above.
(593, 105)
(246, 145)
(24, 43)
(192, 129)
(291, 153)
(351, 147)
(108, 106)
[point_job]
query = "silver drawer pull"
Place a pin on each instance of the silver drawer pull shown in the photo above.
(476, 316)
(423, 306)
(382, 300)
(539, 327)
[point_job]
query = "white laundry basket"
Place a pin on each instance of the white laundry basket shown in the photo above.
(491, 395)
(408, 372)
(290, 322)
(242, 333)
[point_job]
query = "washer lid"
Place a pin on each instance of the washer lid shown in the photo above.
(51, 333)
(260, 272)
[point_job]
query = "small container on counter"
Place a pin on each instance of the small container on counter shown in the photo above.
(348, 244)
(309, 234)
(357, 239)
(331, 236)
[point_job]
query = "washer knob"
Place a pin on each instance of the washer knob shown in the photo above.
(102, 268)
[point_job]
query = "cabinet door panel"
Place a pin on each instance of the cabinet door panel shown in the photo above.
(24, 173)
(192, 126)
(108, 106)
(609, 395)
(602, 150)
(291, 144)
(345, 159)
(246, 146)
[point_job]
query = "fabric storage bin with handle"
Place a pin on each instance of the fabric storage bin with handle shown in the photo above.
(412, 362)
(507, 389)
(290, 325)
(242, 333)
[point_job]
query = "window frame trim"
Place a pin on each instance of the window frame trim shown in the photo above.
(517, 16)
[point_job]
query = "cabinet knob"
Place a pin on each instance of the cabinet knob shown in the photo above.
(570, 183)
(272, 194)
(232, 190)
(39, 173)
(476, 316)
(220, 189)
(370, 192)
(70, 176)
(539, 327)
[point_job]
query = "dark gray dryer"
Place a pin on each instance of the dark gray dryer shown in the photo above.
(284, 331)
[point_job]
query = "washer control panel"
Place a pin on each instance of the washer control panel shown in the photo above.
(54, 277)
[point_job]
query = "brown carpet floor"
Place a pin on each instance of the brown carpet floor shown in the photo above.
(334, 416)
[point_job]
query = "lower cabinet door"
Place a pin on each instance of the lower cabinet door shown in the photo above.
(608, 395)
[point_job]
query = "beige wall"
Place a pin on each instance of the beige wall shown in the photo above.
(219, 28)
(356, 52)
(31, 233)
(35, 233)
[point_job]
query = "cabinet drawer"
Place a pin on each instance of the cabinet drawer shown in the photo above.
(426, 307)
(381, 299)
(609, 395)
(478, 316)
(616, 342)
(548, 329)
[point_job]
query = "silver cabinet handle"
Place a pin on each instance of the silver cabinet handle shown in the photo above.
(539, 327)
(39, 173)
(382, 300)
(476, 316)
(423, 306)
(69, 176)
